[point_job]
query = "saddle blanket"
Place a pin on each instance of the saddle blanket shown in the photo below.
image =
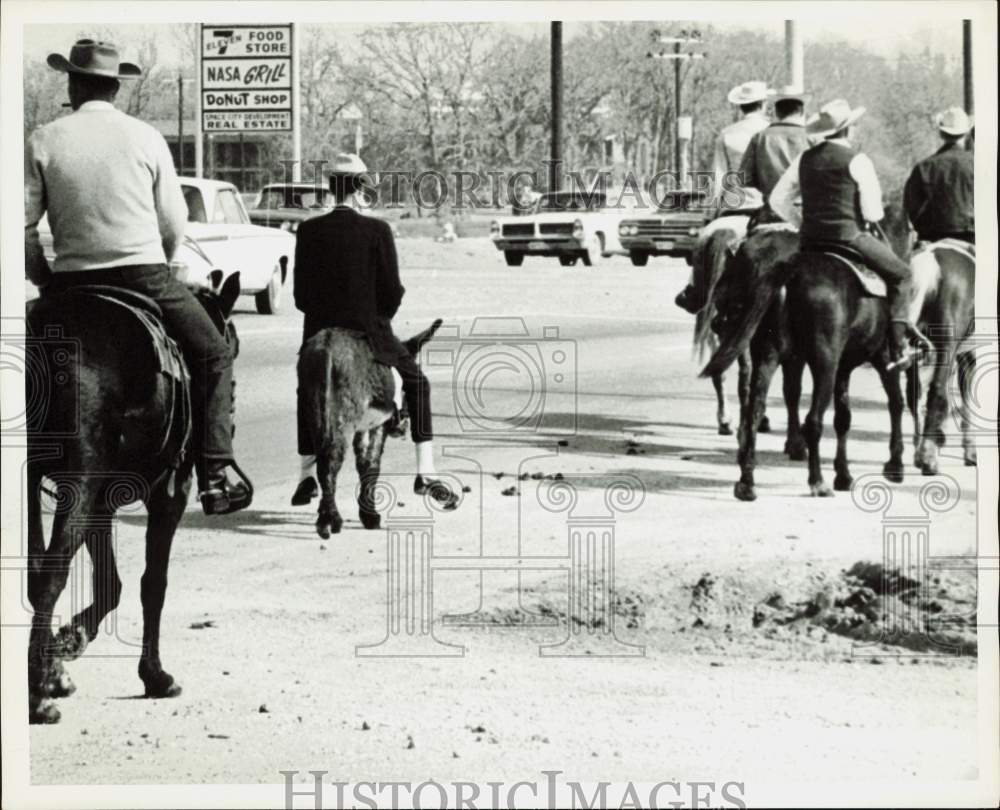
(870, 281)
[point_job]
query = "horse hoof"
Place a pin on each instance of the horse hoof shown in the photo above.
(161, 685)
(893, 472)
(70, 643)
(60, 685)
(744, 491)
(842, 483)
(796, 451)
(323, 530)
(370, 520)
(929, 469)
(820, 490)
(725, 429)
(970, 460)
(764, 425)
(43, 712)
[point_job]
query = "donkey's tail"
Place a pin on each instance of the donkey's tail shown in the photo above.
(737, 341)
(316, 378)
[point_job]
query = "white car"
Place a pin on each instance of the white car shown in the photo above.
(219, 225)
(571, 225)
(219, 236)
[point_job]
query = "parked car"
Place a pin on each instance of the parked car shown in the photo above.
(670, 230)
(571, 225)
(219, 236)
(285, 205)
(219, 224)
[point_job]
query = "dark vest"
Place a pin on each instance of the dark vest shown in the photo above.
(830, 208)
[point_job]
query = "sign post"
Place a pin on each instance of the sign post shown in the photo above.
(248, 81)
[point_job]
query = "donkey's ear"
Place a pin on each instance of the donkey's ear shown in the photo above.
(229, 293)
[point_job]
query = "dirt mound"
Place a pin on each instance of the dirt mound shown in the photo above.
(874, 605)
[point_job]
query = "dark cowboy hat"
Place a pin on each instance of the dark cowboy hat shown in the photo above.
(92, 58)
(351, 165)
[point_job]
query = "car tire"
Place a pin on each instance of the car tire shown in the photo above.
(639, 259)
(591, 254)
(567, 261)
(268, 300)
(514, 259)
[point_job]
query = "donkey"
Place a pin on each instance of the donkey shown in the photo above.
(944, 277)
(349, 396)
(834, 326)
(108, 425)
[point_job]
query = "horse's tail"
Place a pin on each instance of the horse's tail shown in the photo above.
(712, 260)
(737, 341)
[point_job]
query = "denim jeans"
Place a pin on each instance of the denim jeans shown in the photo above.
(209, 358)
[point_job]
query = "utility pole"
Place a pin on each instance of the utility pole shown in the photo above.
(794, 59)
(970, 104)
(682, 124)
(180, 125)
(555, 149)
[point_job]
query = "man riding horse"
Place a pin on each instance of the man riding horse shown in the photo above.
(346, 275)
(939, 195)
(841, 198)
(117, 215)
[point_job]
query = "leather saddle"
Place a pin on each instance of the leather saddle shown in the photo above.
(870, 281)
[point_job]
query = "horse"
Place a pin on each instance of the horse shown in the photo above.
(708, 261)
(756, 260)
(349, 397)
(944, 279)
(108, 425)
(833, 325)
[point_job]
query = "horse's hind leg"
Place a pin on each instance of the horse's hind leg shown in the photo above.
(760, 380)
(721, 417)
(893, 468)
(329, 460)
(165, 513)
(913, 392)
(45, 585)
(823, 384)
(966, 376)
(842, 425)
(368, 446)
(744, 363)
(937, 408)
(791, 383)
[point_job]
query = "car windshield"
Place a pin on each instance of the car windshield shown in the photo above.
(571, 201)
(681, 201)
(195, 204)
(286, 197)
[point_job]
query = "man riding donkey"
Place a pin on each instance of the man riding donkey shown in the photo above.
(841, 199)
(346, 275)
(117, 215)
(939, 195)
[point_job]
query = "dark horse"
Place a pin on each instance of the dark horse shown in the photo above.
(108, 425)
(833, 326)
(349, 395)
(756, 261)
(944, 277)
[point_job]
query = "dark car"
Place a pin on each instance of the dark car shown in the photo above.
(285, 205)
(671, 230)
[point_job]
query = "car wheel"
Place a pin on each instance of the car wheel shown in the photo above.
(513, 258)
(639, 259)
(592, 253)
(567, 261)
(268, 300)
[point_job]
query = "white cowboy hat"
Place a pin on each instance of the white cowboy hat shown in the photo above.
(833, 117)
(93, 58)
(348, 164)
(953, 121)
(790, 92)
(748, 93)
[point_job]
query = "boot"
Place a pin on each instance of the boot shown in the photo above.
(906, 344)
(437, 489)
(218, 495)
(307, 489)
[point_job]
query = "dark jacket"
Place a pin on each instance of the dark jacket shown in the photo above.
(830, 207)
(940, 194)
(346, 275)
(770, 152)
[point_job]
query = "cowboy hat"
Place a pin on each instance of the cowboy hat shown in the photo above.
(92, 58)
(748, 93)
(347, 164)
(832, 118)
(788, 92)
(953, 121)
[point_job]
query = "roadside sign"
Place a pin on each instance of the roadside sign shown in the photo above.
(246, 78)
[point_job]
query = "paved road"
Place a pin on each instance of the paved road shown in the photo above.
(287, 609)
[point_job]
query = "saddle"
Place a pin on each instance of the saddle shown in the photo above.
(870, 281)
